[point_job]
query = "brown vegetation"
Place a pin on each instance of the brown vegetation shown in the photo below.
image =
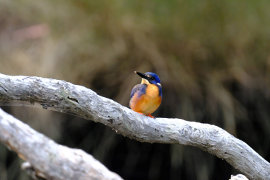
(212, 56)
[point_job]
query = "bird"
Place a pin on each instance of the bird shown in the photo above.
(146, 97)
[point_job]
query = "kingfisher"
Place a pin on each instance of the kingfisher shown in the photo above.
(146, 97)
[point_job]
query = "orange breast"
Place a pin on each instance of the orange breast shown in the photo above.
(148, 102)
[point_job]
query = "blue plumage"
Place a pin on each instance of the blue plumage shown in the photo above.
(139, 88)
(146, 97)
(154, 79)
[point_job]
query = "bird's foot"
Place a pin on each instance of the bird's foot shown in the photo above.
(149, 115)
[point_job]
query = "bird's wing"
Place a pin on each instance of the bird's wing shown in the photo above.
(140, 88)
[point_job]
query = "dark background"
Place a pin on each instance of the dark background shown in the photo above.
(213, 58)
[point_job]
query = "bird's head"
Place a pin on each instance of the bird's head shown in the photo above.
(149, 78)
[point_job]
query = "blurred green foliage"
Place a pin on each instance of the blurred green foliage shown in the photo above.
(213, 58)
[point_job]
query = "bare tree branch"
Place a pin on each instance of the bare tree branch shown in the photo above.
(238, 177)
(53, 160)
(62, 96)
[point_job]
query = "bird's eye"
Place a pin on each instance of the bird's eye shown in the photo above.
(152, 78)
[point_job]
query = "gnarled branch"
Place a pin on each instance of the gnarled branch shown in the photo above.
(65, 97)
(47, 157)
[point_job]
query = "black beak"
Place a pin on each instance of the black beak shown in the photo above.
(141, 74)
